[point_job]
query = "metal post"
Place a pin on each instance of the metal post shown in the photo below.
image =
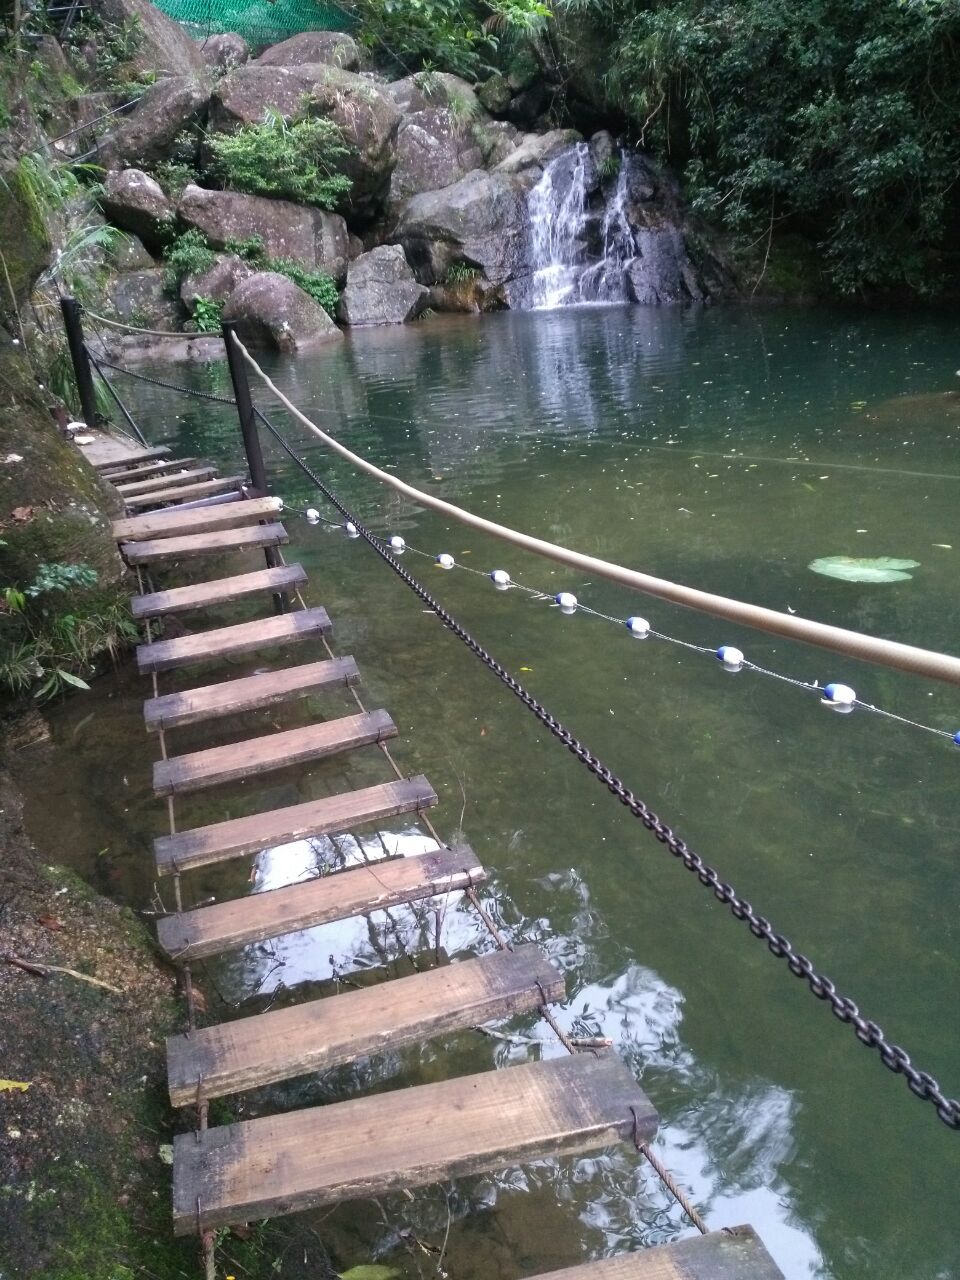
(251, 436)
(72, 312)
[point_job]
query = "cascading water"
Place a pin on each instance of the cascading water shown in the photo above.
(589, 244)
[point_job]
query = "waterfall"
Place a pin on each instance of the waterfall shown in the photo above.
(591, 242)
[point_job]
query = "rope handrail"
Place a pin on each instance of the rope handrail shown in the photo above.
(875, 649)
(150, 333)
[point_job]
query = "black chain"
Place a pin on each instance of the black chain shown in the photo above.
(867, 1032)
(168, 386)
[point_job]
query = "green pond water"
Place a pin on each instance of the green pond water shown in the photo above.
(723, 449)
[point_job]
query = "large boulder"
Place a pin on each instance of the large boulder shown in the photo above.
(24, 235)
(135, 202)
(216, 283)
(662, 273)
(157, 44)
(146, 135)
(381, 289)
(140, 298)
(478, 221)
(310, 47)
(224, 52)
(529, 159)
(433, 150)
(366, 114)
(270, 310)
(309, 236)
(436, 89)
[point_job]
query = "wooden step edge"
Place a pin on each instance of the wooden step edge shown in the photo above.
(169, 522)
(284, 579)
(341, 895)
(322, 1034)
(157, 468)
(165, 481)
(238, 837)
(218, 542)
(188, 493)
(133, 456)
(732, 1253)
(227, 642)
(406, 1138)
(256, 756)
(248, 693)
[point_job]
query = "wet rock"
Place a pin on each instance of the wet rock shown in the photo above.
(226, 51)
(270, 310)
(139, 298)
(497, 139)
(381, 289)
(161, 46)
(148, 132)
(429, 89)
(366, 114)
(128, 253)
(479, 220)
(135, 202)
(433, 150)
(217, 282)
(474, 294)
(495, 93)
(307, 235)
(661, 274)
(603, 150)
(535, 151)
(310, 47)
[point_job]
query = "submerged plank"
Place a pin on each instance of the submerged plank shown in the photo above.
(164, 482)
(239, 836)
(246, 759)
(250, 693)
(204, 544)
(175, 521)
(132, 457)
(325, 1033)
(734, 1253)
(208, 931)
(368, 1147)
(223, 642)
(158, 468)
(187, 492)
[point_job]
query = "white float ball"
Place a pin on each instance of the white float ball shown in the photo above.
(312, 515)
(445, 560)
(638, 627)
(731, 657)
(397, 544)
(839, 696)
(567, 601)
(500, 578)
(350, 529)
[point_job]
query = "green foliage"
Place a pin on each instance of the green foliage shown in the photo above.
(47, 642)
(446, 35)
(461, 273)
(174, 176)
(250, 248)
(315, 283)
(609, 166)
(116, 45)
(207, 315)
(836, 118)
(187, 255)
(295, 161)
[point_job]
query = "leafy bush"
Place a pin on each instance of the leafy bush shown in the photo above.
(315, 283)
(295, 161)
(188, 255)
(461, 273)
(174, 176)
(207, 315)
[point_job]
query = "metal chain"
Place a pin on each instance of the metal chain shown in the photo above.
(869, 1033)
(168, 386)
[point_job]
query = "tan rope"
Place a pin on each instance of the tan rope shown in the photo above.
(885, 653)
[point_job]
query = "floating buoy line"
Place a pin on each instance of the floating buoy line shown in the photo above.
(838, 697)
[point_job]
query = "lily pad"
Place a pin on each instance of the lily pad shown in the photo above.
(864, 569)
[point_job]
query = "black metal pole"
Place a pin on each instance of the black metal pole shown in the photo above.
(119, 403)
(72, 312)
(251, 436)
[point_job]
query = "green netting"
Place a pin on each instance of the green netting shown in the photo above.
(258, 21)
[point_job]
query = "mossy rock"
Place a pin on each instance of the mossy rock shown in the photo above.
(24, 240)
(54, 508)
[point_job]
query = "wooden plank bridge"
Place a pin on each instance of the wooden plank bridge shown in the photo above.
(365, 1146)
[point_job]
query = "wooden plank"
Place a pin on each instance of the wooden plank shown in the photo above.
(235, 760)
(322, 1034)
(203, 544)
(223, 642)
(239, 836)
(187, 492)
(176, 521)
(164, 482)
(250, 693)
(202, 595)
(734, 1253)
(133, 457)
(158, 468)
(368, 1147)
(208, 931)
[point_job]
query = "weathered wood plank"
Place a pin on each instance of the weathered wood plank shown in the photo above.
(246, 759)
(175, 521)
(204, 544)
(735, 1253)
(203, 595)
(322, 1034)
(368, 1147)
(133, 457)
(159, 468)
(208, 931)
(239, 836)
(188, 492)
(223, 642)
(250, 693)
(164, 482)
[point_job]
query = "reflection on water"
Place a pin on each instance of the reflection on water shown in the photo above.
(722, 449)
